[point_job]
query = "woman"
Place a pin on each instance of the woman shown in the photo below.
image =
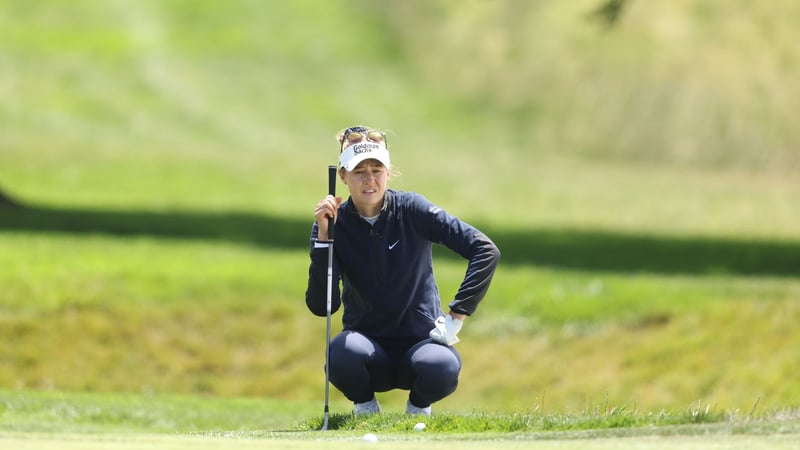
(395, 335)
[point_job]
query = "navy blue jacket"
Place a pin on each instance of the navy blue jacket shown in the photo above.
(386, 269)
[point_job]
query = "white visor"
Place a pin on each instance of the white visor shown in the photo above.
(353, 155)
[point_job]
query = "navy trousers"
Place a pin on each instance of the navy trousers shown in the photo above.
(361, 366)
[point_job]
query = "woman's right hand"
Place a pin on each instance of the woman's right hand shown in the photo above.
(326, 208)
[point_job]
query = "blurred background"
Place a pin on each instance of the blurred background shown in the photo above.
(636, 162)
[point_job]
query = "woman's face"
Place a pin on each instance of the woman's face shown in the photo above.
(367, 185)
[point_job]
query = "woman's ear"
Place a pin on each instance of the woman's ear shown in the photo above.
(342, 175)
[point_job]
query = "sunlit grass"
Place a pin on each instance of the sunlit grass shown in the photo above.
(71, 412)
(188, 316)
(603, 417)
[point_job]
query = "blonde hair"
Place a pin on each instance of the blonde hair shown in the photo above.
(340, 139)
(340, 135)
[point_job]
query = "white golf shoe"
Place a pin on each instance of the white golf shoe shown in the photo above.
(370, 407)
(417, 411)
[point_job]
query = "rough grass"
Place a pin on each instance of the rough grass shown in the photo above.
(146, 314)
(664, 81)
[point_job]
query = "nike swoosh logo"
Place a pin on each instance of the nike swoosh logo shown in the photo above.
(391, 246)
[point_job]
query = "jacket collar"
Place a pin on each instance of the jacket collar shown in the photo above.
(387, 203)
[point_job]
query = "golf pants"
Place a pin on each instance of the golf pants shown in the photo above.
(360, 367)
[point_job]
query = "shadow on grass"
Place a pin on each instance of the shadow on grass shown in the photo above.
(237, 227)
(621, 252)
(557, 248)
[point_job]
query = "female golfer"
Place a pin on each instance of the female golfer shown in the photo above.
(395, 335)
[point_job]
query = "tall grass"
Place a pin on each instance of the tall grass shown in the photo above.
(172, 315)
(708, 83)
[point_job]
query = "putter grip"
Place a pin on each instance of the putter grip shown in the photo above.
(331, 191)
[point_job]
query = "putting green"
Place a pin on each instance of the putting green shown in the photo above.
(38, 441)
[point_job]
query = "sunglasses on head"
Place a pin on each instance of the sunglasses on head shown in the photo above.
(358, 134)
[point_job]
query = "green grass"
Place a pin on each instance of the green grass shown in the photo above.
(183, 315)
(79, 420)
(665, 83)
(37, 411)
(94, 413)
(518, 422)
(65, 412)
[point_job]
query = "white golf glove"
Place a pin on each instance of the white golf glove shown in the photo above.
(446, 330)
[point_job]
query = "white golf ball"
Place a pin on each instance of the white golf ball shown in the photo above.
(369, 437)
(419, 427)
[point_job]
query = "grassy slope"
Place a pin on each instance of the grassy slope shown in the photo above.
(178, 143)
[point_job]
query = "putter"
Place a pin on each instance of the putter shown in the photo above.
(331, 191)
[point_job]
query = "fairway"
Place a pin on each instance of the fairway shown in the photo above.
(316, 440)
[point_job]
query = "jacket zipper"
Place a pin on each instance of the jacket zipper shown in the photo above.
(373, 238)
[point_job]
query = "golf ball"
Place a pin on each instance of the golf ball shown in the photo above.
(419, 427)
(369, 437)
